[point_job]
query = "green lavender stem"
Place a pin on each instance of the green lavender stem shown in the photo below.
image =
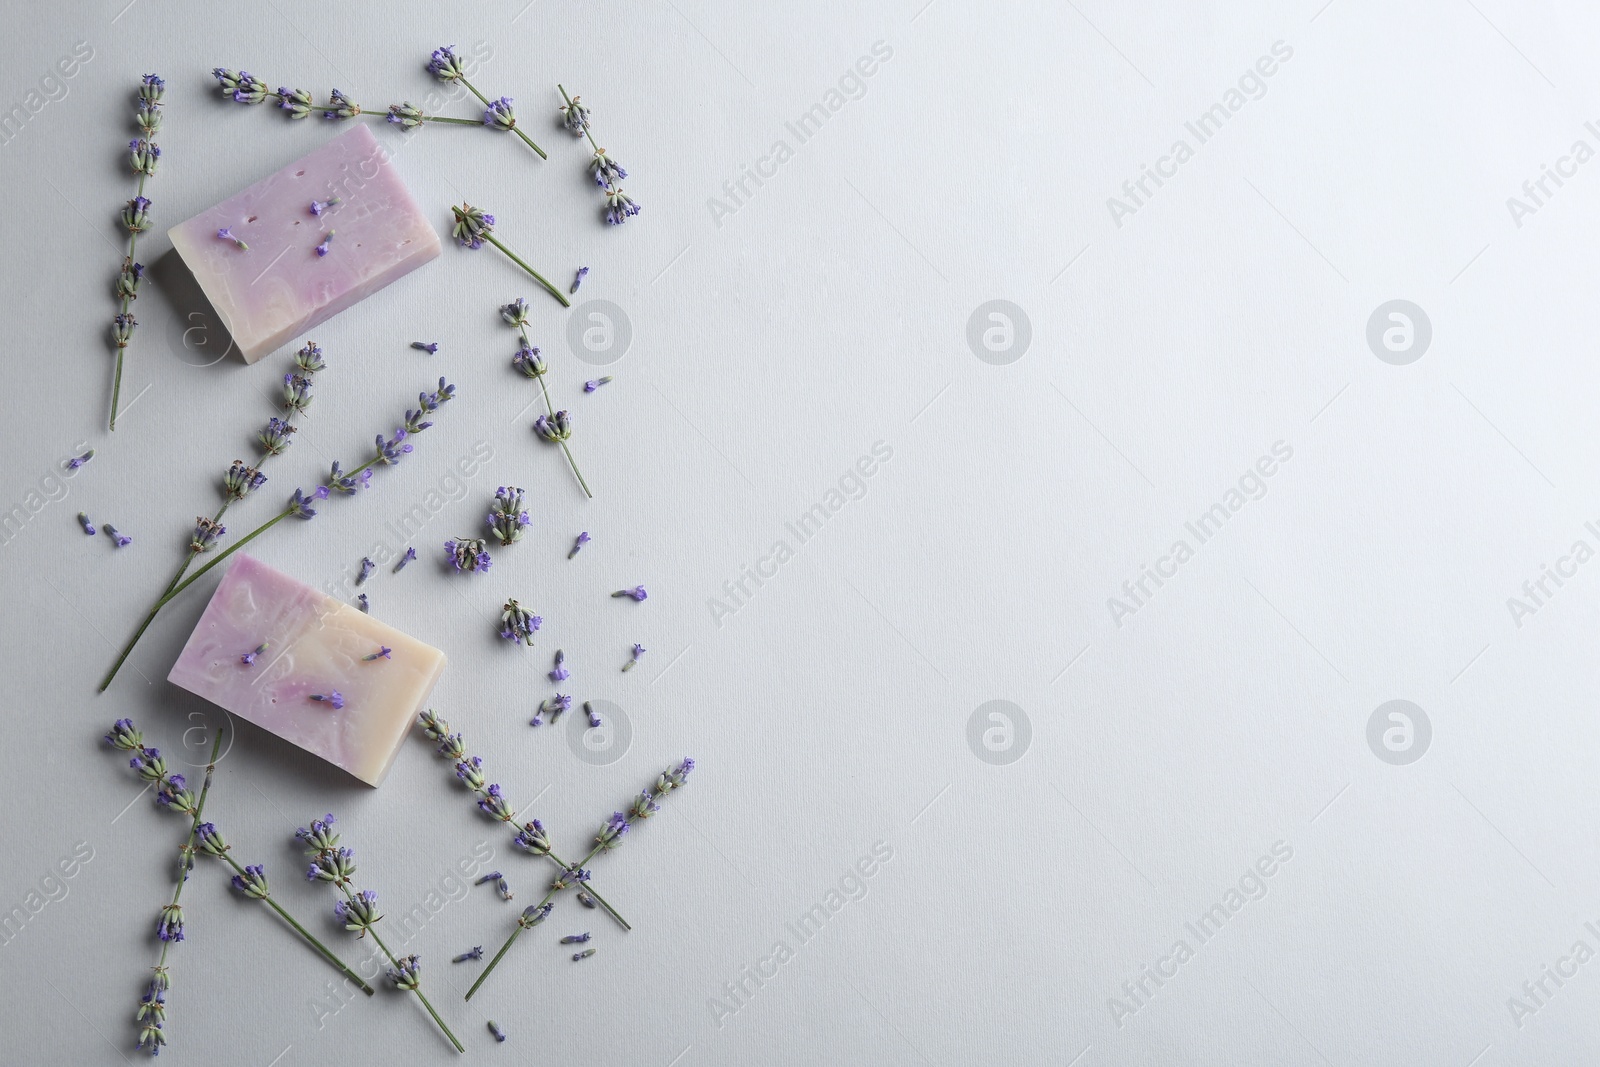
(551, 411)
(518, 931)
(516, 130)
(186, 852)
(303, 932)
(540, 278)
(418, 991)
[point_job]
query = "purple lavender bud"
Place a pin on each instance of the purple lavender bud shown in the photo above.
(410, 555)
(578, 279)
(560, 674)
(319, 206)
(122, 540)
(77, 461)
(504, 887)
(575, 939)
(83, 520)
(582, 539)
(637, 593)
(226, 234)
(249, 658)
(322, 249)
(361, 602)
(586, 900)
(492, 876)
(585, 954)
(638, 652)
(595, 383)
(473, 953)
(594, 717)
(333, 697)
(382, 653)
(367, 567)
(429, 347)
(494, 1028)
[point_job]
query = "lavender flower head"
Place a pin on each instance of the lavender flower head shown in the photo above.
(136, 216)
(253, 882)
(359, 912)
(533, 839)
(445, 65)
(607, 171)
(128, 279)
(275, 438)
(620, 207)
(152, 88)
(406, 115)
(517, 624)
(209, 839)
(319, 836)
(240, 481)
(500, 116)
(470, 771)
(468, 554)
(349, 484)
(515, 313)
(296, 392)
(169, 927)
(142, 156)
(528, 361)
(297, 102)
(341, 106)
(149, 765)
(472, 226)
(124, 736)
(575, 117)
(494, 804)
(122, 327)
(390, 451)
(336, 865)
(507, 517)
(299, 503)
(555, 429)
(309, 358)
(534, 914)
(610, 835)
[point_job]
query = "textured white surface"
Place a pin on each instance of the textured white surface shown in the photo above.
(828, 311)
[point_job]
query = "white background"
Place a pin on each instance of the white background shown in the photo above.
(771, 348)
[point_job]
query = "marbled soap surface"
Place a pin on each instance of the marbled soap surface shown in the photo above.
(280, 287)
(315, 645)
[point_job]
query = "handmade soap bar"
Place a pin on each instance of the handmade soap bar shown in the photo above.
(316, 646)
(280, 286)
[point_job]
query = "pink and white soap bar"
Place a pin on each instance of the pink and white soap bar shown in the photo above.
(280, 287)
(315, 646)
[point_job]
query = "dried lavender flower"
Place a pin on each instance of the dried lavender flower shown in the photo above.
(560, 673)
(578, 543)
(595, 383)
(429, 347)
(517, 624)
(333, 697)
(577, 279)
(575, 939)
(367, 567)
(637, 593)
(507, 517)
(473, 953)
(410, 555)
(122, 540)
(638, 653)
(83, 520)
(468, 554)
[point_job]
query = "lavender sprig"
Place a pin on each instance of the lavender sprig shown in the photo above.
(172, 795)
(531, 837)
(474, 227)
(507, 517)
(358, 910)
(609, 838)
(607, 172)
(299, 506)
(238, 482)
(532, 364)
(143, 153)
(445, 65)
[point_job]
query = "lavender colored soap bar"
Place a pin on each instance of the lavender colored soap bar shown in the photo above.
(281, 287)
(315, 645)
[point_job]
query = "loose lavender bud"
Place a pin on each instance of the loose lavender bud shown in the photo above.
(620, 207)
(505, 889)
(322, 249)
(494, 1028)
(333, 697)
(474, 953)
(577, 279)
(637, 593)
(555, 705)
(361, 602)
(607, 171)
(319, 206)
(367, 567)
(410, 555)
(594, 717)
(585, 954)
(518, 625)
(638, 652)
(122, 540)
(249, 658)
(382, 653)
(83, 520)
(586, 900)
(492, 876)
(560, 673)
(468, 554)
(595, 383)
(500, 116)
(226, 234)
(429, 347)
(582, 539)
(575, 939)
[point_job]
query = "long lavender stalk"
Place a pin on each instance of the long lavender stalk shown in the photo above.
(474, 227)
(607, 172)
(358, 911)
(143, 153)
(240, 481)
(554, 426)
(171, 794)
(242, 87)
(608, 839)
(388, 453)
(531, 838)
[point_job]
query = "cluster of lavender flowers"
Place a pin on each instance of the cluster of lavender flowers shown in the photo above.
(498, 115)
(607, 172)
(507, 517)
(518, 624)
(357, 909)
(241, 479)
(609, 839)
(143, 155)
(172, 794)
(553, 426)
